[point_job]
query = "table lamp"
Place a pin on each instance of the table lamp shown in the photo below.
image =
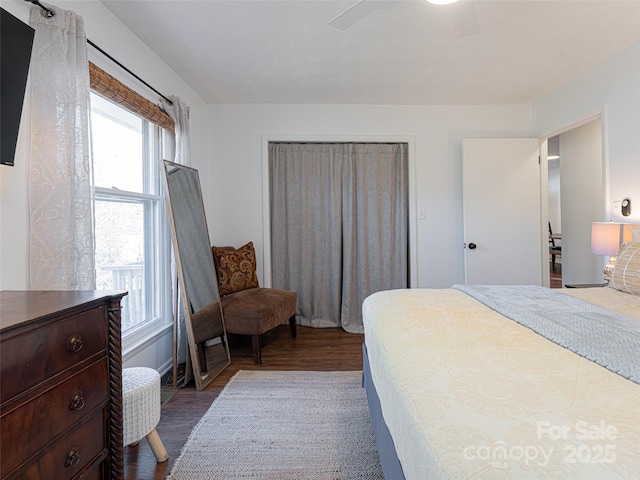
(606, 238)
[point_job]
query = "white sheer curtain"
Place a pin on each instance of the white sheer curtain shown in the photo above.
(61, 250)
(179, 113)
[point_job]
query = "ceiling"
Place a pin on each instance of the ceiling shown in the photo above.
(403, 52)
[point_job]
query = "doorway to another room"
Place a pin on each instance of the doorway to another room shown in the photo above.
(576, 195)
(555, 213)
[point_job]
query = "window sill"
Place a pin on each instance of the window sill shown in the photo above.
(139, 339)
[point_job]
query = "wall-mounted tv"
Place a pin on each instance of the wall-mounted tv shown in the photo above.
(15, 55)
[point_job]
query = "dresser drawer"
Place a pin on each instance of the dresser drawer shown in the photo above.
(41, 353)
(70, 455)
(34, 424)
(96, 472)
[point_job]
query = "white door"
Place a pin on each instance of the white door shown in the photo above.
(502, 203)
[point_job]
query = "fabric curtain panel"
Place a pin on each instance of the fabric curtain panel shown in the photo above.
(339, 226)
(179, 113)
(61, 207)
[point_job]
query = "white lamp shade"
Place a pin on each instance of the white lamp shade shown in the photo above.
(606, 237)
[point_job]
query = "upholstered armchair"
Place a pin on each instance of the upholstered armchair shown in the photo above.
(249, 309)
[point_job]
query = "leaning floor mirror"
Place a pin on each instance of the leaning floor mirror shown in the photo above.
(203, 316)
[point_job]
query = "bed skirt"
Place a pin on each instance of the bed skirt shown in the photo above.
(386, 449)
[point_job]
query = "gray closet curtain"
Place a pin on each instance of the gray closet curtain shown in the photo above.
(339, 226)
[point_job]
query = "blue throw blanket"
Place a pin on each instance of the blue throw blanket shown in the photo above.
(605, 337)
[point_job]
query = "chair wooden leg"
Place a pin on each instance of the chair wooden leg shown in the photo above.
(292, 325)
(257, 351)
(157, 446)
(553, 263)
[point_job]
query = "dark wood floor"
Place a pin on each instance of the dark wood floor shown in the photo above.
(329, 349)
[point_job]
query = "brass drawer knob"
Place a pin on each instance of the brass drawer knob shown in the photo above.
(74, 344)
(73, 457)
(77, 401)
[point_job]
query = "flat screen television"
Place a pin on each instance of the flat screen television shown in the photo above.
(15, 55)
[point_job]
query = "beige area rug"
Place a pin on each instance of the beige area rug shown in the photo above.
(283, 425)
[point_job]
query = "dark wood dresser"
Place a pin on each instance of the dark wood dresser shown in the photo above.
(60, 385)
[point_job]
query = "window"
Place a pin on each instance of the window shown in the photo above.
(131, 232)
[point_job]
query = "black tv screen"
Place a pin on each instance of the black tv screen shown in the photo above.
(15, 54)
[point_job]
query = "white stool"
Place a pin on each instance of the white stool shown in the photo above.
(141, 408)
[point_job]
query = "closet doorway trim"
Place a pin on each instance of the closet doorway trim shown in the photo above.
(266, 213)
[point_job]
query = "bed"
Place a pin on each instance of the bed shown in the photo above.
(457, 390)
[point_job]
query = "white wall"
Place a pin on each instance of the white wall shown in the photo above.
(581, 187)
(236, 173)
(113, 37)
(613, 90)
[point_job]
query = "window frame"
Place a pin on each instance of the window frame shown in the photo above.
(157, 137)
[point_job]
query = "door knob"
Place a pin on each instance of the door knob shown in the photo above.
(472, 246)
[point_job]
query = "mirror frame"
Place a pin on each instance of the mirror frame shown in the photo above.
(202, 377)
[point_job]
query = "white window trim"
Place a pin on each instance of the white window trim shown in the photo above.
(141, 336)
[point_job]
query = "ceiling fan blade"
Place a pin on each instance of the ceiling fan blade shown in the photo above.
(465, 18)
(353, 14)
(464, 15)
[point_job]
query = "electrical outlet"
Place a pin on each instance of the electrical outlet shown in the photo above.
(617, 205)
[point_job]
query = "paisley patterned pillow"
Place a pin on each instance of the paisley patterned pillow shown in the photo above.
(236, 268)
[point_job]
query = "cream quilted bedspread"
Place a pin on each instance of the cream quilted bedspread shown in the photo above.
(469, 394)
